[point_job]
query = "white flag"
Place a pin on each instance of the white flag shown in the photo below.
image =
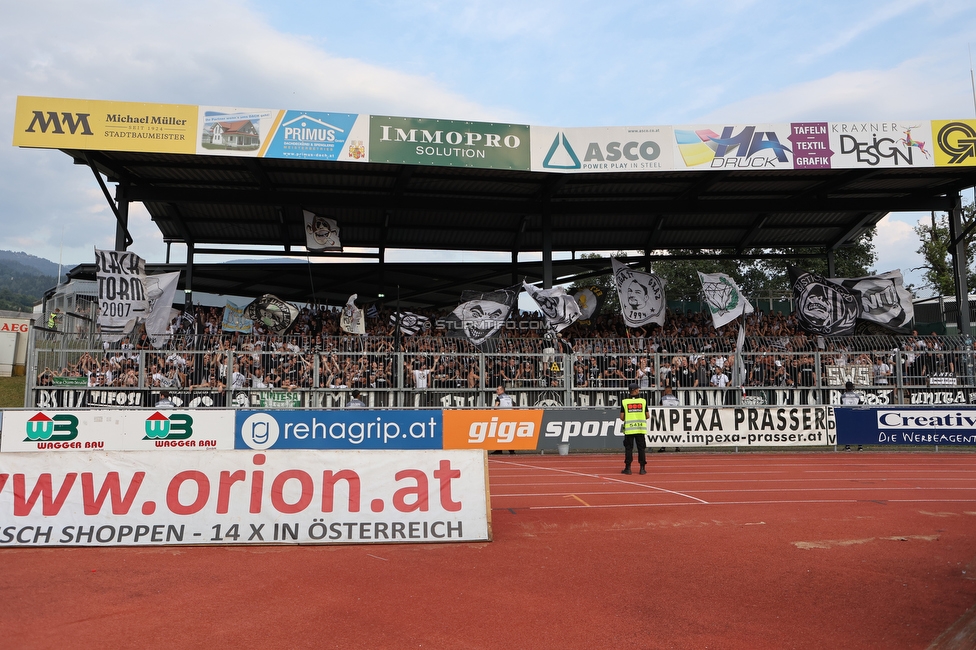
(352, 319)
(410, 323)
(724, 298)
(559, 308)
(160, 291)
(641, 296)
(321, 233)
(884, 298)
(122, 299)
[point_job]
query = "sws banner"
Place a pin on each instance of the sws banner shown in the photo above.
(238, 497)
(905, 426)
(349, 429)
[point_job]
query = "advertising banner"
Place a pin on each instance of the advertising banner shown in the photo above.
(349, 429)
(723, 146)
(879, 144)
(105, 498)
(448, 143)
(905, 426)
(582, 429)
(311, 135)
(741, 427)
(117, 430)
(492, 428)
(52, 123)
(235, 131)
(609, 149)
(955, 142)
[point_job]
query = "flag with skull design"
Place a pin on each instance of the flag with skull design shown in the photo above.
(823, 307)
(481, 316)
(559, 308)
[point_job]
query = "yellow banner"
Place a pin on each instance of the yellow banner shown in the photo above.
(51, 123)
(955, 142)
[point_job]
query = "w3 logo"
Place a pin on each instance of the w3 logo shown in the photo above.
(178, 426)
(59, 428)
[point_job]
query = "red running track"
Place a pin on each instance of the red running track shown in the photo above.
(752, 550)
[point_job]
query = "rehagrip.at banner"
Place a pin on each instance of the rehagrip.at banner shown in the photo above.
(242, 497)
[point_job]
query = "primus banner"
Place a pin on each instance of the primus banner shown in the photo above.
(242, 497)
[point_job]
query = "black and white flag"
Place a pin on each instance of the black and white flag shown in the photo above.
(160, 292)
(641, 296)
(272, 312)
(481, 315)
(884, 298)
(823, 307)
(321, 233)
(121, 277)
(724, 298)
(559, 308)
(352, 319)
(590, 300)
(410, 323)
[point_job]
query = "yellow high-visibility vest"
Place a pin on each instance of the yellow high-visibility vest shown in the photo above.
(635, 416)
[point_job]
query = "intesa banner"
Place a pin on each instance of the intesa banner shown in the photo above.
(116, 430)
(906, 426)
(105, 498)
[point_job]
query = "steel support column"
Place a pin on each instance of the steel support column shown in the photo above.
(960, 266)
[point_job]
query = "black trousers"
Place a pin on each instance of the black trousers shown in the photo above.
(629, 441)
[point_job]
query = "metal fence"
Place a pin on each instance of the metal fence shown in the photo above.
(67, 370)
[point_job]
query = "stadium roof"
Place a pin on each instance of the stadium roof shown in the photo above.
(685, 188)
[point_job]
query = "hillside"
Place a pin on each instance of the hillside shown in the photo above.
(24, 279)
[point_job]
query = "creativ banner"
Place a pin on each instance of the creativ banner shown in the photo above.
(448, 143)
(242, 497)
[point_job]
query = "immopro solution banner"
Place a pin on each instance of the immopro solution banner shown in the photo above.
(448, 143)
(242, 497)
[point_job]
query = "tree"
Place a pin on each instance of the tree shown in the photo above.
(934, 249)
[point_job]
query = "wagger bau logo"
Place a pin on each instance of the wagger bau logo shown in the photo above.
(62, 427)
(178, 426)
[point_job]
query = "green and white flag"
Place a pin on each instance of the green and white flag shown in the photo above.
(724, 298)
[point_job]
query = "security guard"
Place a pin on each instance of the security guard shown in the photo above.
(633, 411)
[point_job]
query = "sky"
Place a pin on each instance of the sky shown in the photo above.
(559, 63)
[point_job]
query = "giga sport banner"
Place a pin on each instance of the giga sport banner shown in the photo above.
(242, 497)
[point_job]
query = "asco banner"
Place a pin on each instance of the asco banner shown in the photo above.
(238, 497)
(349, 429)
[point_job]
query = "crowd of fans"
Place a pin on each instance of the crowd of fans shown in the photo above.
(687, 352)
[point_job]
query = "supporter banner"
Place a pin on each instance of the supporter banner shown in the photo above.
(955, 142)
(410, 323)
(116, 430)
(53, 123)
(741, 427)
(311, 135)
(238, 497)
(879, 144)
(321, 233)
(722, 146)
(823, 307)
(234, 319)
(590, 300)
(481, 315)
(724, 298)
(641, 296)
(419, 141)
(905, 426)
(492, 428)
(272, 312)
(884, 298)
(236, 131)
(351, 429)
(352, 319)
(607, 149)
(160, 293)
(121, 277)
(559, 308)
